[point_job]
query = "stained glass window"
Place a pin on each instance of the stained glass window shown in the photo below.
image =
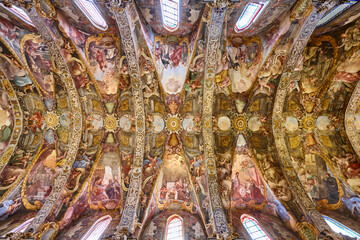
(20, 14)
(336, 11)
(254, 229)
(249, 15)
(22, 227)
(97, 229)
(90, 10)
(174, 230)
(170, 14)
(339, 228)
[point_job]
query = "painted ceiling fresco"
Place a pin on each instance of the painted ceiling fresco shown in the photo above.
(138, 125)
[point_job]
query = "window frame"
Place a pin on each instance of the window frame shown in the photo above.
(93, 227)
(342, 226)
(245, 218)
(18, 12)
(346, 6)
(171, 218)
(253, 18)
(165, 24)
(21, 228)
(88, 15)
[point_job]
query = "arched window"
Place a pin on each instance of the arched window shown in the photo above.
(339, 228)
(90, 10)
(22, 227)
(336, 11)
(174, 229)
(19, 13)
(97, 229)
(249, 15)
(170, 14)
(254, 229)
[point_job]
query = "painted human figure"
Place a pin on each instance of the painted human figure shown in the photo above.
(36, 121)
(99, 190)
(332, 189)
(8, 207)
(84, 162)
(353, 204)
(256, 194)
(163, 192)
(235, 193)
(180, 188)
(110, 189)
(165, 55)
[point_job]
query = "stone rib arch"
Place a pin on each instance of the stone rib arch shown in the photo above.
(18, 122)
(350, 117)
(213, 41)
(77, 120)
(284, 156)
(129, 213)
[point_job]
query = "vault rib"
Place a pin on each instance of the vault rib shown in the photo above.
(75, 106)
(128, 39)
(216, 210)
(18, 121)
(350, 112)
(277, 125)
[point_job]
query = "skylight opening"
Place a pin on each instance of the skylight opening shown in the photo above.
(249, 15)
(174, 230)
(170, 14)
(97, 229)
(254, 229)
(90, 10)
(331, 15)
(339, 228)
(20, 14)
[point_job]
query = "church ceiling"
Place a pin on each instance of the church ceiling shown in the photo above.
(203, 122)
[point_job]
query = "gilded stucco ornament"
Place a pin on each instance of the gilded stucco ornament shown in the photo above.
(173, 123)
(51, 120)
(239, 122)
(111, 122)
(308, 122)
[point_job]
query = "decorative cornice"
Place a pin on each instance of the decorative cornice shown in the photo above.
(213, 43)
(128, 40)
